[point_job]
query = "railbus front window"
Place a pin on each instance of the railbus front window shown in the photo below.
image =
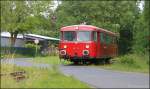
(83, 36)
(69, 35)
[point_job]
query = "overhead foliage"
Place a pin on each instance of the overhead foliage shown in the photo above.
(115, 16)
(123, 17)
(24, 16)
(141, 32)
(13, 16)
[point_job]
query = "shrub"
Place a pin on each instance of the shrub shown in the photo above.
(126, 60)
(32, 49)
(129, 60)
(147, 62)
(44, 53)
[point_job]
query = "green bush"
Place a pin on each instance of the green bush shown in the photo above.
(147, 62)
(32, 49)
(129, 61)
(126, 60)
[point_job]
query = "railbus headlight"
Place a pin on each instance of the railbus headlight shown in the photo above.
(85, 52)
(65, 46)
(87, 46)
(62, 52)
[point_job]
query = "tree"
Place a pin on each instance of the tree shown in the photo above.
(115, 16)
(141, 31)
(13, 16)
(17, 16)
(40, 21)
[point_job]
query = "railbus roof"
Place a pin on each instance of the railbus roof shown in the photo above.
(87, 27)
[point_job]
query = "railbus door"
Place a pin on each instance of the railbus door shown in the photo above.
(95, 35)
(98, 45)
(103, 46)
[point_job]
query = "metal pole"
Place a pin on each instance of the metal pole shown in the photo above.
(36, 50)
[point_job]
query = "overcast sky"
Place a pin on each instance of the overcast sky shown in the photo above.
(141, 5)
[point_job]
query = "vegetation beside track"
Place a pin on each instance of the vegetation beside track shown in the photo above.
(37, 78)
(52, 78)
(50, 60)
(129, 63)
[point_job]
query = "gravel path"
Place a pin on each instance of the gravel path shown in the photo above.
(95, 77)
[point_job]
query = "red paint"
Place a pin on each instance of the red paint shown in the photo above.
(73, 47)
(96, 48)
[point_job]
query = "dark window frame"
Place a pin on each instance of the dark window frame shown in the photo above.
(95, 36)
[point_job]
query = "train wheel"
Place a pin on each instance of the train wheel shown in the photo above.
(84, 62)
(88, 62)
(107, 60)
(96, 61)
(75, 62)
(101, 61)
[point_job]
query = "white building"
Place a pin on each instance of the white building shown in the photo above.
(6, 42)
(21, 40)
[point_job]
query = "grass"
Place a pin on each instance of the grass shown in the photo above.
(14, 56)
(50, 60)
(52, 78)
(130, 63)
(38, 78)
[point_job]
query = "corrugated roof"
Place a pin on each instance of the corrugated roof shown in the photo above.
(43, 37)
(7, 34)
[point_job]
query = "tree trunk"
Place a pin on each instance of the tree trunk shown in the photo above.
(13, 40)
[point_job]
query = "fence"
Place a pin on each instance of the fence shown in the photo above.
(18, 50)
(52, 51)
(29, 51)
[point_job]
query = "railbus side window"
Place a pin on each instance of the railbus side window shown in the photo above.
(95, 36)
(114, 40)
(108, 39)
(102, 37)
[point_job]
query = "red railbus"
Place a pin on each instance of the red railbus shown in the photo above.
(87, 43)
